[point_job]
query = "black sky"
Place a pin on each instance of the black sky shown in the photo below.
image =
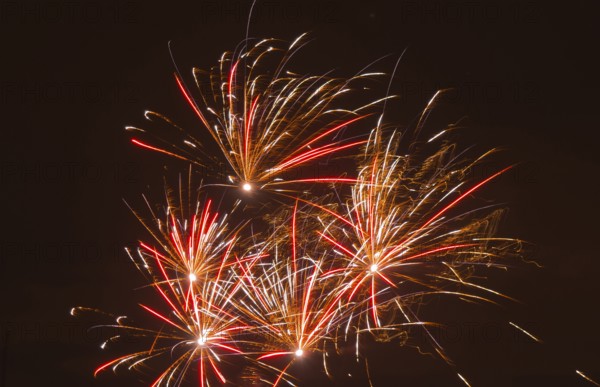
(74, 73)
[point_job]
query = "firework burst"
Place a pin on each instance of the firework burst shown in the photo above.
(292, 298)
(266, 120)
(193, 273)
(405, 233)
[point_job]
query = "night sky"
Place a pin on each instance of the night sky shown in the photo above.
(74, 73)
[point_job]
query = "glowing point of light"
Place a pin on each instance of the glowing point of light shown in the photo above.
(299, 352)
(246, 187)
(201, 340)
(192, 277)
(373, 268)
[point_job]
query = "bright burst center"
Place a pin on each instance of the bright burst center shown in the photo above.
(201, 340)
(246, 187)
(299, 352)
(192, 277)
(374, 268)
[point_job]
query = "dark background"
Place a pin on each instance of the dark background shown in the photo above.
(74, 73)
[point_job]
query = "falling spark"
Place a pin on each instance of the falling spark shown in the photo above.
(463, 380)
(525, 332)
(586, 378)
